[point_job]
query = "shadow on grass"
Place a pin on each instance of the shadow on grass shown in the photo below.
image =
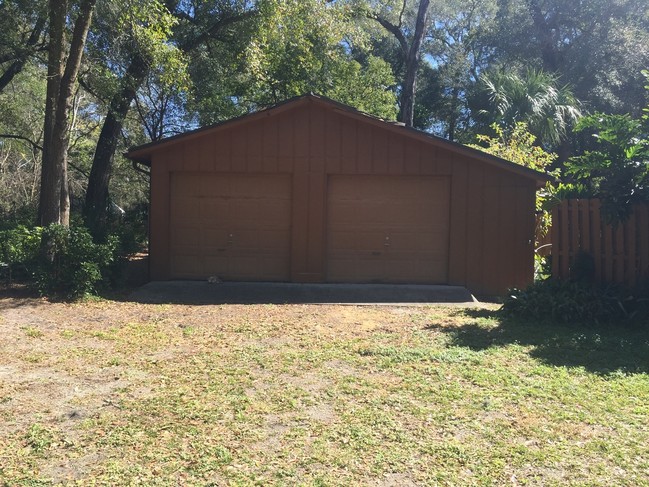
(601, 350)
(15, 295)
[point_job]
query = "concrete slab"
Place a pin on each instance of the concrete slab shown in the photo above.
(202, 292)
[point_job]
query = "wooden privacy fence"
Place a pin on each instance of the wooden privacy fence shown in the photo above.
(620, 253)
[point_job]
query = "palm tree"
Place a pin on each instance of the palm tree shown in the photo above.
(536, 98)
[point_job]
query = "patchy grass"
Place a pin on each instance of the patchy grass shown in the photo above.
(123, 393)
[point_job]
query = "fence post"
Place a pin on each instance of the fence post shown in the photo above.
(643, 241)
(596, 232)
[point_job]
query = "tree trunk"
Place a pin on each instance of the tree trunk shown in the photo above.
(13, 69)
(452, 122)
(97, 194)
(407, 100)
(547, 38)
(49, 210)
(96, 206)
(54, 205)
(21, 59)
(409, 87)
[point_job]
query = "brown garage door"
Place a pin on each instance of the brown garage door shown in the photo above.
(232, 226)
(387, 229)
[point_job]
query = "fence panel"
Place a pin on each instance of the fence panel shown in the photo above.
(620, 253)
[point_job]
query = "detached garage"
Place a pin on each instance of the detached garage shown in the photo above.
(314, 191)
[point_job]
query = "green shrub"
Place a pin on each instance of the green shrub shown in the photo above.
(130, 231)
(19, 250)
(60, 262)
(578, 302)
(15, 216)
(70, 264)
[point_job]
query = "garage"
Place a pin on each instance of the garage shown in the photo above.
(236, 227)
(314, 191)
(387, 229)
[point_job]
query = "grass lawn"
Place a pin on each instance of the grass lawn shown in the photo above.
(118, 393)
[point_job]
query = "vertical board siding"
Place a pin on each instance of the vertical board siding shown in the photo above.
(270, 143)
(332, 142)
(458, 220)
(491, 242)
(189, 160)
(299, 223)
(475, 229)
(595, 230)
(620, 253)
(428, 162)
(205, 160)
(642, 233)
(285, 137)
(443, 164)
(564, 242)
(222, 151)
(489, 209)
(255, 146)
(317, 140)
(159, 218)
(316, 224)
(379, 151)
(411, 161)
(175, 158)
(349, 142)
(239, 151)
(395, 154)
(525, 240)
(301, 133)
(507, 225)
(584, 211)
(364, 149)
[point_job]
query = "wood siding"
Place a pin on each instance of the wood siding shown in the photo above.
(620, 253)
(491, 231)
(234, 226)
(387, 229)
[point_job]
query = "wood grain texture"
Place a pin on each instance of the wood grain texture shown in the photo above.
(489, 210)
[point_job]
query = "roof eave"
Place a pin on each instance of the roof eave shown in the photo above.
(143, 152)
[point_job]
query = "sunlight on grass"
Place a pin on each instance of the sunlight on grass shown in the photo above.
(324, 395)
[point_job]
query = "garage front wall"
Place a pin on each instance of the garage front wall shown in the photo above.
(482, 235)
(235, 226)
(387, 229)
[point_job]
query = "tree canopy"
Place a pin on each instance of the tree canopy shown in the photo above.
(152, 68)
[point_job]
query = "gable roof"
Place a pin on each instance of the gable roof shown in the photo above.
(142, 153)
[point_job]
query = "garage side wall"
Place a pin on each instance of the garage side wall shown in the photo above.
(491, 210)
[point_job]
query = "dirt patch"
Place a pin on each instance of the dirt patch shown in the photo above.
(341, 367)
(118, 393)
(322, 412)
(64, 365)
(396, 480)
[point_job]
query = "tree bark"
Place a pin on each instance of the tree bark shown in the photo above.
(21, 57)
(409, 87)
(97, 194)
(54, 204)
(96, 206)
(452, 122)
(49, 210)
(547, 37)
(411, 58)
